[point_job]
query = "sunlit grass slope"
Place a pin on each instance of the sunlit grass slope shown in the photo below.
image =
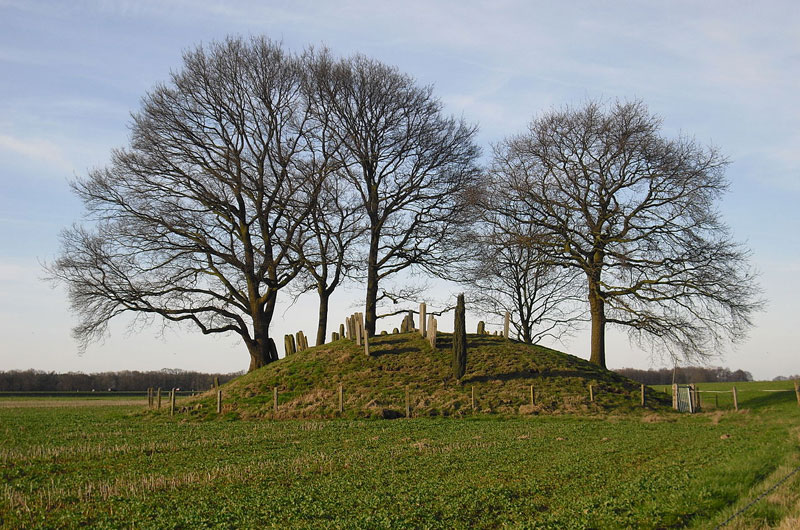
(500, 373)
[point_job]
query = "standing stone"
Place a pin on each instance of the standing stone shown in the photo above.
(481, 328)
(288, 345)
(459, 340)
(432, 325)
(341, 331)
(505, 326)
(422, 309)
(360, 322)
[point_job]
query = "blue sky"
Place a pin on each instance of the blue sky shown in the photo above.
(725, 72)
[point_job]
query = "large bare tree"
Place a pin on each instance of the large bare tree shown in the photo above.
(635, 213)
(409, 164)
(197, 220)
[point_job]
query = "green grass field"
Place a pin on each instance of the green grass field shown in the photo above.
(112, 466)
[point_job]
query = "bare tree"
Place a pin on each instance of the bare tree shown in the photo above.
(635, 213)
(409, 164)
(197, 221)
(333, 227)
(509, 273)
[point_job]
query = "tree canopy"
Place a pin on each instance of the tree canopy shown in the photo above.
(197, 219)
(410, 165)
(251, 167)
(254, 169)
(635, 213)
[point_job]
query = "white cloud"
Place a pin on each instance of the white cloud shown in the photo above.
(36, 150)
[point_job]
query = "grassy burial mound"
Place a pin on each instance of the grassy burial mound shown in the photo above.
(499, 374)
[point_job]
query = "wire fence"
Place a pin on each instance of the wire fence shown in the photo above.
(689, 398)
(754, 501)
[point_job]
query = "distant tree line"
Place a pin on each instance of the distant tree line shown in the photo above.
(126, 380)
(794, 377)
(686, 375)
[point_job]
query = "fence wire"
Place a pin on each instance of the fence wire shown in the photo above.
(754, 501)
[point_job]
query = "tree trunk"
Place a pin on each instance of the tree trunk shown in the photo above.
(370, 310)
(598, 315)
(322, 323)
(527, 336)
(262, 353)
(262, 348)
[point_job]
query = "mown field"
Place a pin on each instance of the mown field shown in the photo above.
(112, 466)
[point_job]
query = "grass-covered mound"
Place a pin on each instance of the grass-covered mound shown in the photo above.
(499, 372)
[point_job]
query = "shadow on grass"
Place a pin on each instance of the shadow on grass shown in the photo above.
(379, 352)
(768, 399)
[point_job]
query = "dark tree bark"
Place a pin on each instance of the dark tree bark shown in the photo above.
(409, 165)
(634, 213)
(198, 220)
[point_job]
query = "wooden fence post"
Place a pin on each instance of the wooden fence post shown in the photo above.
(275, 400)
(149, 397)
(172, 403)
(341, 399)
(675, 396)
(644, 402)
(216, 381)
(797, 392)
(473, 398)
(408, 402)
(366, 345)
(219, 401)
(533, 397)
(735, 400)
(591, 392)
(506, 324)
(159, 398)
(422, 323)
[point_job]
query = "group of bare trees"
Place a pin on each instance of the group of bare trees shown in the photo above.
(255, 170)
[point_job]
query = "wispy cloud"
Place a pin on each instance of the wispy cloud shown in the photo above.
(36, 150)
